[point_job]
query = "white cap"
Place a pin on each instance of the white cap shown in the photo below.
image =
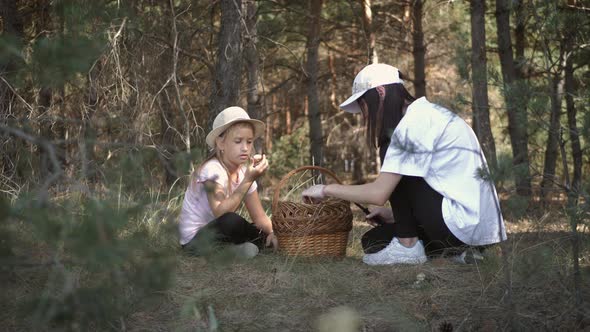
(368, 78)
(228, 117)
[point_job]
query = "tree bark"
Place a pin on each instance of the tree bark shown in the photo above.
(252, 68)
(13, 25)
(44, 27)
(167, 148)
(552, 139)
(517, 116)
(228, 69)
(418, 49)
(572, 113)
(45, 102)
(520, 39)
(480, 105)
(314, 116)
(368, 29)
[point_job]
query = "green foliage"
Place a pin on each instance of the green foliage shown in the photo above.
(6, 238)
(71, 41)
(183, 161)
(103, 261)
(130, 169)
(536, 264)
(57, 60)
(290, 152)
(502, 175)
(585, 132)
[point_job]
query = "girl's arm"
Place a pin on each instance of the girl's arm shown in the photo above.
(219, 203)
(257, 213)
(376, 192)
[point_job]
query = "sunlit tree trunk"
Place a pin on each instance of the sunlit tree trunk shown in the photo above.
(311, 67)
(368, 29)
(228, 70)
(517, 116)
(480, 105)
(418, 49)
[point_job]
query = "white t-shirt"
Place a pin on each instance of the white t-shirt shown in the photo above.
(433, 143)
(196, 211)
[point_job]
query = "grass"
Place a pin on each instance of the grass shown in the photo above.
(278, 293)
(273, 292)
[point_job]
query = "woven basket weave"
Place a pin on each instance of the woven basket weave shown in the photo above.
(311, 229)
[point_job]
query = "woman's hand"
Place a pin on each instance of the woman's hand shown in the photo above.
(271, 240)
(383, 213)
(314, 194)
(257, 166)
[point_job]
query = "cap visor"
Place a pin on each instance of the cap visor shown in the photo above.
(350, 105)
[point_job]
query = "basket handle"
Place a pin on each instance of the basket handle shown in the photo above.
(277, 190)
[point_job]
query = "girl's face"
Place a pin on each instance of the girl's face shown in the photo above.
(237, 144)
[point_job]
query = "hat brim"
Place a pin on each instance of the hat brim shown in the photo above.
(259, 128)
(351, 105)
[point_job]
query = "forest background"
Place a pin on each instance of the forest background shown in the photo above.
(104, 106)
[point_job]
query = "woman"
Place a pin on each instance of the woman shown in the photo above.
(432, 173)
(219, 186)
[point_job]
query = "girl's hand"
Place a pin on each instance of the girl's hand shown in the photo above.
(256, 159)
(257, 166)
(383, 213)
(271, 240)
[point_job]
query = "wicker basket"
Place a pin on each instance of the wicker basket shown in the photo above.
(311, 229)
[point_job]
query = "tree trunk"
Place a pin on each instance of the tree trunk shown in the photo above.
(552, 139)
(252, 68)
(89, 130)
(520, 39)
(13, 25)
(480, 105)
(368, 29)
(311, 67)
(228, 69)
(517, 116)
(45, 121)
(47, 118)
(572, 114)
(167, 147)
(418, 49)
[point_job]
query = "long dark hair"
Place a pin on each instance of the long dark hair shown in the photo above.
(381, 121)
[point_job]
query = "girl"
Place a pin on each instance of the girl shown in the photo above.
(432, 173)
(219, 186)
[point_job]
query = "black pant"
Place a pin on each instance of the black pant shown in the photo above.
(417, 210)
(230, 228)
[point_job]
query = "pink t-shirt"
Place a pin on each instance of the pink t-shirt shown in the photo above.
(196, 211)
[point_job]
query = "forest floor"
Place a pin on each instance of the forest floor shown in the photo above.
(273, 292)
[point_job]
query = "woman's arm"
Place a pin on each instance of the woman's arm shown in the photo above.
(376, 192)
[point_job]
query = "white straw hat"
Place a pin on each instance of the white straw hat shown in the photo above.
(228, 117)
(368, 78)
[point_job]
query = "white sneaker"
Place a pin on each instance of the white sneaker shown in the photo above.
(244, 250)
(469, 256)
(396, 253)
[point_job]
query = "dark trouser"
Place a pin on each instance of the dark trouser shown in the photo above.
(417, 210)
(230, 228)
